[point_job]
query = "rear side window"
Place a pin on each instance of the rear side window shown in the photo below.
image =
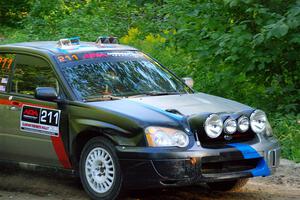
(6, 63)
(30, 72)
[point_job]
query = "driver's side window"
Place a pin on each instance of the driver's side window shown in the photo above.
(30, 72)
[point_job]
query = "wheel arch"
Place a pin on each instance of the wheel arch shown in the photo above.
(86, 129)
(83, 137)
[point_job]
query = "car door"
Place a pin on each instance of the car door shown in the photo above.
(6, 62)
(31, 132)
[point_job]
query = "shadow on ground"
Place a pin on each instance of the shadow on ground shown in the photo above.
(19, 184)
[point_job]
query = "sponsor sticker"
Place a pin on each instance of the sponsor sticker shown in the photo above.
(4, 80)
(40, 120)
(2, 88)
(66, 58)
(124, 54)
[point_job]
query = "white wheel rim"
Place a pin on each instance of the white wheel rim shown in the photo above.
(99, 170)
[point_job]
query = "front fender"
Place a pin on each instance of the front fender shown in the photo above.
(102, 125)
(87, 128)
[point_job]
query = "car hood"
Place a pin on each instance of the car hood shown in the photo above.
(190, 104)
(185, 104)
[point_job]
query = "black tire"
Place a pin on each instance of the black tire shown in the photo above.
(226, 186)
(115, 188)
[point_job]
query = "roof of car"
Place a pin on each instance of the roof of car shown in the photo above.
(52, 47)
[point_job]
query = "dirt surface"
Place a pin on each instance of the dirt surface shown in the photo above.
(22, 184)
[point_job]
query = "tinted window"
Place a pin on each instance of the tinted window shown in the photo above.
(31, 72)
(119, 74)
(6, 63)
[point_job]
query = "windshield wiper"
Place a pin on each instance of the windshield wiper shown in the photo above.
(103, 98)
(154, 93)
(112, 97)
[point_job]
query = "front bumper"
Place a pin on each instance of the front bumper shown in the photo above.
(157, 167)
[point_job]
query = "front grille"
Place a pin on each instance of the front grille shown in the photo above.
(229, 166)
(221, 140)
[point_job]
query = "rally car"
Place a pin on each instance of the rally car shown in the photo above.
(120, 120)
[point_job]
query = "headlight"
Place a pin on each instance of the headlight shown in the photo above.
(243, 124)
(230, 126)
(258, 120)
(213, 126)
(269, 131)
(166, 137)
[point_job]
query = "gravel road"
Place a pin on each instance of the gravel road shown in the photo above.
(22, 184)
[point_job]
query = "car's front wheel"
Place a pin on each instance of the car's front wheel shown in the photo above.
(232, 185)
(99, 169)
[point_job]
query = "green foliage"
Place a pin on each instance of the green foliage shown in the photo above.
(246, 50)
(287, 130)
(254, 42)
(175, 58)
(12, 12)
(12, 35)
(85, 18)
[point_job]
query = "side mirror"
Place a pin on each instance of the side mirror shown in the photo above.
(188, 81)
(46, 93)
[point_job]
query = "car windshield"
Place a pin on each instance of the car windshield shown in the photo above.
(111, 75)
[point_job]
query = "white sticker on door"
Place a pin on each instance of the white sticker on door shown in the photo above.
(40, 120)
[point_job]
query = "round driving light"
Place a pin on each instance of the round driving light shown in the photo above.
(258, 120)
(243, 124)
(269, 131)
(213, 126)
(230, 126)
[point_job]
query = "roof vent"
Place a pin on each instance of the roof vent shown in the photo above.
(69, 43)
(107, 40)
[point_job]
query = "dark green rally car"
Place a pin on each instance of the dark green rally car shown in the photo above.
(122, 120)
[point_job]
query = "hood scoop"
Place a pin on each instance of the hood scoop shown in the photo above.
(174, 111)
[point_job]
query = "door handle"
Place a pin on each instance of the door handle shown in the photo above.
(14, 108)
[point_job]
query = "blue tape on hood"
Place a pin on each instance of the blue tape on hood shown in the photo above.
(248, 152)
(173, 116)
(63, 50)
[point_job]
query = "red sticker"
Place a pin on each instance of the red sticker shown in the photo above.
(94, 55)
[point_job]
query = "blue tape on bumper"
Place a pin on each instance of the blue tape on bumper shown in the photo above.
(261, 169)
(248, 152)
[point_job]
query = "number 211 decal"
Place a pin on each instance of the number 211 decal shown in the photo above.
(40, 120)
